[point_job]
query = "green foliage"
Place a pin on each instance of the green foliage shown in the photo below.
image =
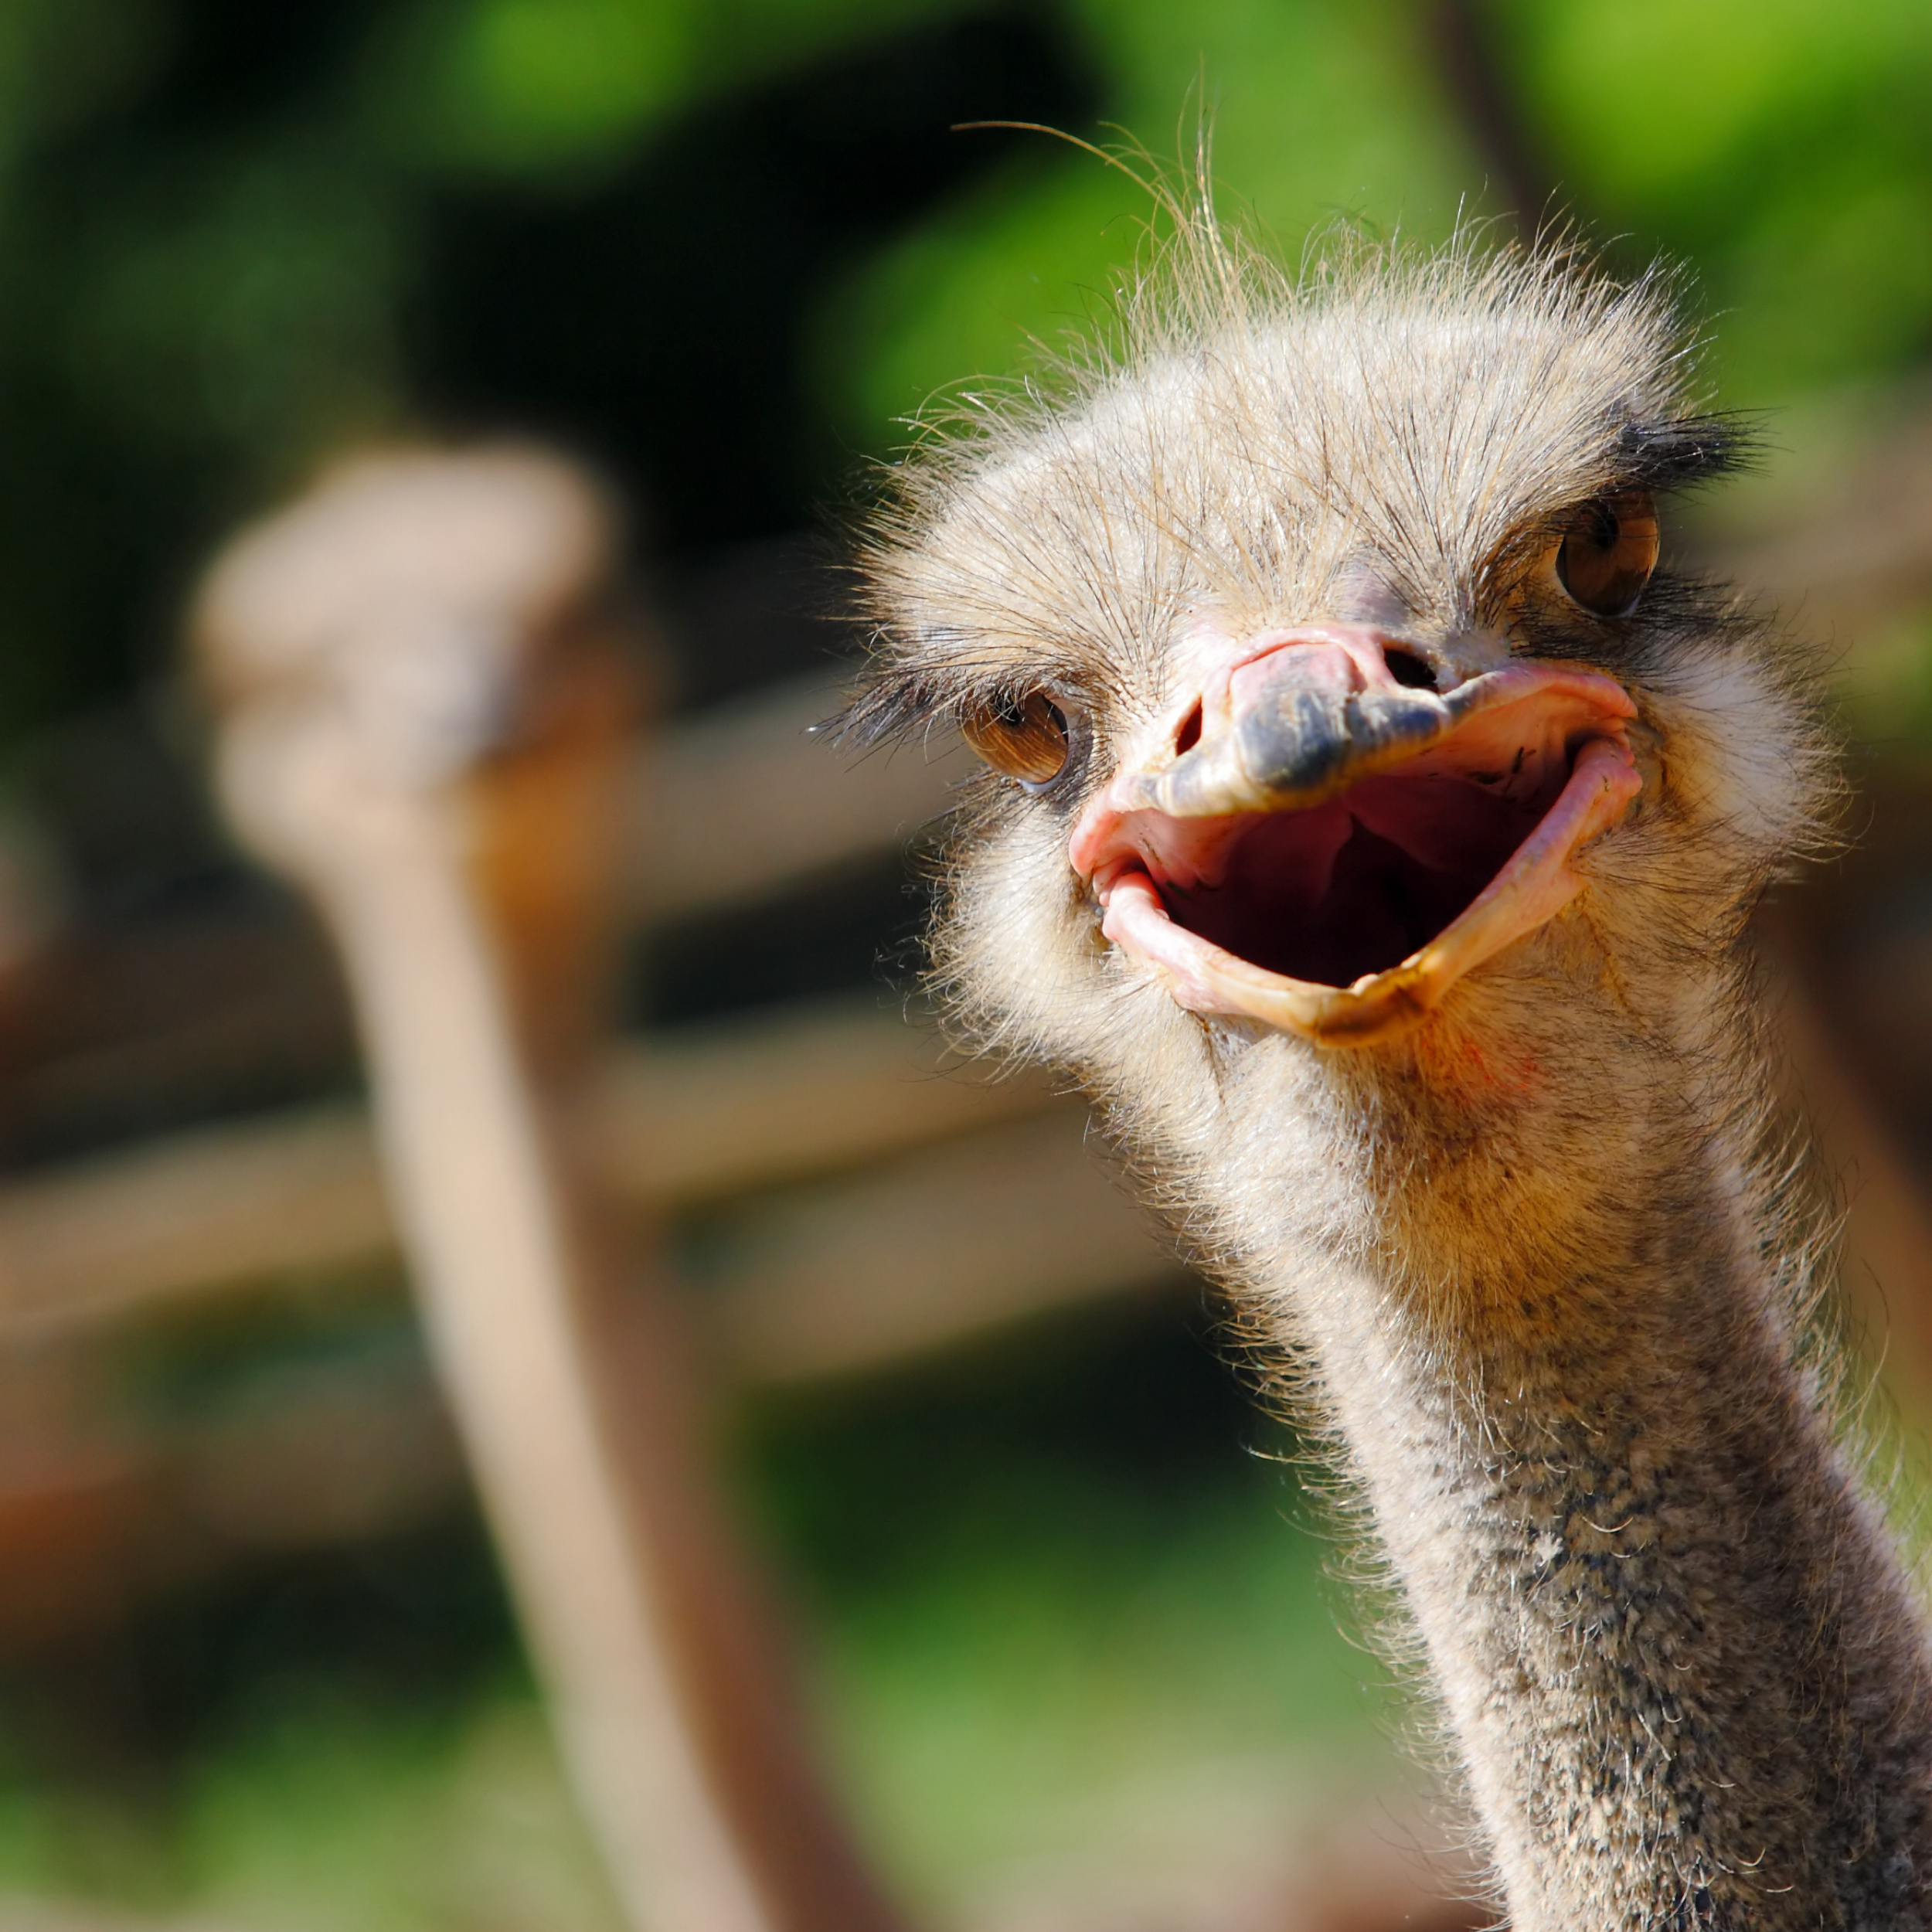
(520, 83)
(329, 1815)
(1055, 1611)
(1104, 1696)
(1783, 151)
(1101, 1688)
(523, 86)
(64, 63)
(211, 216)
(1315, 113)
(1783, 148)
(212, 219)
(241, 315)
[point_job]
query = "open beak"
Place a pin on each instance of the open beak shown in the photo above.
(1324, 846)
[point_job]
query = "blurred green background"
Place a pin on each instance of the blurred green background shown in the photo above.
(725, 248)
(726, 245)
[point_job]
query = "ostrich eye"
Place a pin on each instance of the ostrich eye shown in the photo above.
(1026, 739)
(1608, 551)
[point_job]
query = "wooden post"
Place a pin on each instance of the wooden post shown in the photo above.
(420, 727)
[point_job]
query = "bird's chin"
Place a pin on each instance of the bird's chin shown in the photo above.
(1347, 920)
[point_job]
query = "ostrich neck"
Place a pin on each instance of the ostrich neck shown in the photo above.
(1686, 1674)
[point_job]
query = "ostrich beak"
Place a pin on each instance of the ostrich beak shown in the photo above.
(1327, 848)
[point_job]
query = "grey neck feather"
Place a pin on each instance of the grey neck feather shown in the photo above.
(1686, 1674)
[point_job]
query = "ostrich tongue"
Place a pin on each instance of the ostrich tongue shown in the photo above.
(1331, 860)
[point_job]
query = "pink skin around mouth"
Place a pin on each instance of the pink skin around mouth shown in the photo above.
(1347, 918)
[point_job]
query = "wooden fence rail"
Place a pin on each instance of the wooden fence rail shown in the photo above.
(723, 1110)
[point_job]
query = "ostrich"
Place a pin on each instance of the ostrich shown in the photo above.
(1372, 825)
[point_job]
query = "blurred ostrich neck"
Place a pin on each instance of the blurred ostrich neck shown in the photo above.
(1650, 1595)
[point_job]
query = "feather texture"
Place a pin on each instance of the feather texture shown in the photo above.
(1536, 1272)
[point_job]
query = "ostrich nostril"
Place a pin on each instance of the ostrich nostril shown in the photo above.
(1190, 734)
(1407, 669)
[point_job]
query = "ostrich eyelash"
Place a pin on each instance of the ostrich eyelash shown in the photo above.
(1680, 453)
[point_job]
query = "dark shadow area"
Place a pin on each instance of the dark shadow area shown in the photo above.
(1097, 1427)
(657, 320)
(652, 317)
(866, 927)
(108, 502)
(414, 1624)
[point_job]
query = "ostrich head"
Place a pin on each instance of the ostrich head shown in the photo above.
(1365, 805)
(1371, 818)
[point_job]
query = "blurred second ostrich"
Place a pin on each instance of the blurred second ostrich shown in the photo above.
(1373, 825)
